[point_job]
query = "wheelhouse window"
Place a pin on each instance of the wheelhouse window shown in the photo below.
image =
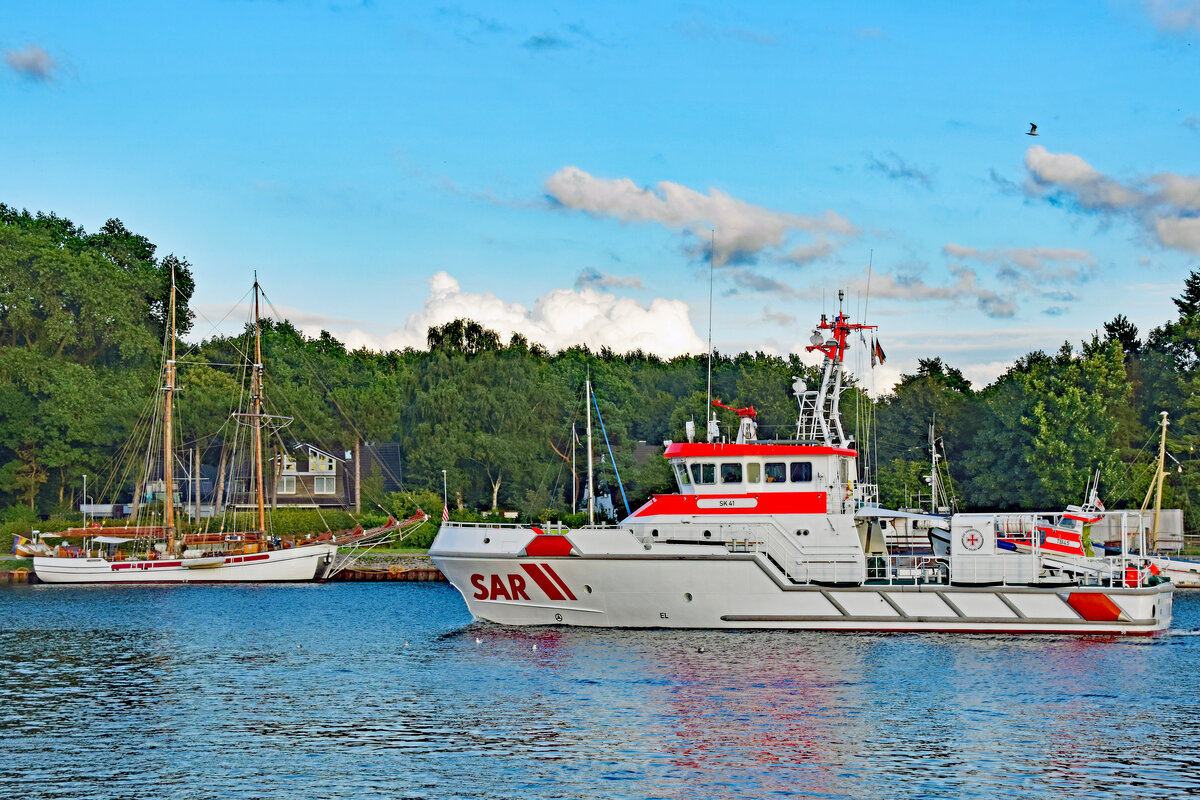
(753, 472)
(731, 473)
(775, 472)
(681, 475)
(801, 471)
(704, 473)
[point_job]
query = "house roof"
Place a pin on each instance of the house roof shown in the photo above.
(310, 446)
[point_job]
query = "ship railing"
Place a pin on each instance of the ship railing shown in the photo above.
(903, 570)
(545, 527)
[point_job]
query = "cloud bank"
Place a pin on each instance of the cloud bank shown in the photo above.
(559, 319)
(744, 232)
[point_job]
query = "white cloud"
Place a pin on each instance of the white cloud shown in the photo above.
(596, 279)
(743, 230)
(1182, 233)
(1165, 204)
(778, 317)
(33, 62)
(1037, 265)
(901, 286)
(1173, 15)
(1092, 189)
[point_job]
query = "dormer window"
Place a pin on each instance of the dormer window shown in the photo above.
(319, 462)
(289, 464)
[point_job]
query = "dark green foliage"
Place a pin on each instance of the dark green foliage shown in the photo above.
(81, 328)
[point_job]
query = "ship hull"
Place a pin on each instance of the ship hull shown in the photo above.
(295, 564)
(740, 591)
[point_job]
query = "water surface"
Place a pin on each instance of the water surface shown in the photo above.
(390, 690)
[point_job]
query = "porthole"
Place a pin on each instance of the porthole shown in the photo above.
(654, 532)
(687, 596)
(708, 534)
(587, 588)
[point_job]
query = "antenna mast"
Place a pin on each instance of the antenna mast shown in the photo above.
(587, 400)
(712, 252)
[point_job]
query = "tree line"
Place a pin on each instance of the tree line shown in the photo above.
(82, 318)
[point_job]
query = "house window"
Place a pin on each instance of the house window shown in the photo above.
(776, 473)
(289, 464)
(704, 473)
(754, 472)
(801, 471)
(323, 485)
(731, 473)
(286, 484)
(318, 462)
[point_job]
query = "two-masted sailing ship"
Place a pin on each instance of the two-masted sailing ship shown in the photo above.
(159, 552)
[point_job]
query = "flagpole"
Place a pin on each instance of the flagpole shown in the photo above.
(445, 497)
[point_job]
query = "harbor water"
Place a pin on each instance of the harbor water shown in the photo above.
(391, 690)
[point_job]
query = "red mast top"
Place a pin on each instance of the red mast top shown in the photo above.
(835, 347)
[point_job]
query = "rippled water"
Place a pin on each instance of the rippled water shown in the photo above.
(382, 690)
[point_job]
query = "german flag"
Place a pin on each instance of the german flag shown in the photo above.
(877, 356)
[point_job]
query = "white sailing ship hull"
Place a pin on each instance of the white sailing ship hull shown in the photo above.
(306, 563)
(673, 586)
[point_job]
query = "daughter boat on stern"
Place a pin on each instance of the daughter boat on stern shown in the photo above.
(781, 534)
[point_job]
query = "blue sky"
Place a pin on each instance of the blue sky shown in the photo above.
(557, 169)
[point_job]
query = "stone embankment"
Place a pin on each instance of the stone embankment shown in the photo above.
(385, 567)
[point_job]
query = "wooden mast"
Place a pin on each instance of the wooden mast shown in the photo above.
(1160, 477)
(169, 389)
(256, 393)
(1156, 484)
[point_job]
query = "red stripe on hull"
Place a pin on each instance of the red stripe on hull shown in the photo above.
(561, 583)
(767, 503)
(544, 583)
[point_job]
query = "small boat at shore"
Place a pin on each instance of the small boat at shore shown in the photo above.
(784, 534)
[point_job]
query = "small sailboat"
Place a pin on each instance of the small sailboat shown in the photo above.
(159, 552)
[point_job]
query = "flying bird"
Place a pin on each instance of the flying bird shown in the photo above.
(1032, 130)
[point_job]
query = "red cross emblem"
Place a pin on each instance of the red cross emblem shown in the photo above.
(972, 540)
